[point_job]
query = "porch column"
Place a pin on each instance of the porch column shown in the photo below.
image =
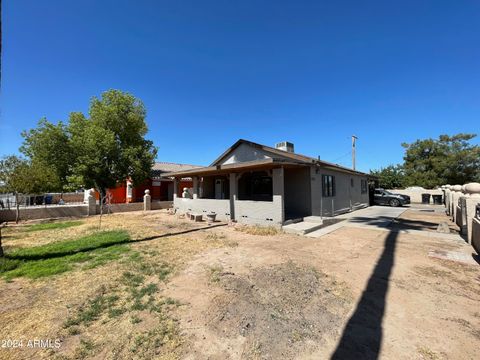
(233, 194)
(279, 193)
(195, 187)
(175, 188)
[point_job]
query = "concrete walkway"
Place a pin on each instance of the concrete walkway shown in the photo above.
(382, 218)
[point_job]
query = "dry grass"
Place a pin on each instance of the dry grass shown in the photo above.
(258, 230)
(116, 306)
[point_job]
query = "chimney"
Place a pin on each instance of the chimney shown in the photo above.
(285, 146)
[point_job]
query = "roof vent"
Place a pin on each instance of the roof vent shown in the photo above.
(285, 146)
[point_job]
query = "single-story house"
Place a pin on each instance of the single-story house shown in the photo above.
(257, 184)
(161, 188)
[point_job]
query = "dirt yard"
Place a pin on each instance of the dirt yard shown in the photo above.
(187, 291)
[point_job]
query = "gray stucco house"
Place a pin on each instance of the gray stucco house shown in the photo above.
(257, 184)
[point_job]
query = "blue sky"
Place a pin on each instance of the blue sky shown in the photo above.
(210, 72)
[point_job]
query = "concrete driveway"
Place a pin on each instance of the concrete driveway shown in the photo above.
(381, 218)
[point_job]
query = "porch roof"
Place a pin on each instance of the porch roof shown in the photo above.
(257, 164)
(237, 167)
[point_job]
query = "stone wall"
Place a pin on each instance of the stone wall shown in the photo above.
(461, 202)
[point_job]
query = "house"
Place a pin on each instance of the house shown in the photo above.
(257, 184)
(161, 188)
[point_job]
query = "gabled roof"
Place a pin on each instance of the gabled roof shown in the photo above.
(160, 168)
(281, 154)
(278, 157)
(273, 151)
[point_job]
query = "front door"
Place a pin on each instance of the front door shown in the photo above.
(219, 189)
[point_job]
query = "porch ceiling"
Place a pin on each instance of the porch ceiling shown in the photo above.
(237, 167)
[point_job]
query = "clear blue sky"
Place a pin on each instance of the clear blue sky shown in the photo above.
(210, 72)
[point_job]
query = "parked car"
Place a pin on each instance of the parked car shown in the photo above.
(385, 197)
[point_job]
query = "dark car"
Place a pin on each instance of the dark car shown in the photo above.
(385, 197)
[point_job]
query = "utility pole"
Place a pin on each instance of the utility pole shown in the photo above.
(354, 140)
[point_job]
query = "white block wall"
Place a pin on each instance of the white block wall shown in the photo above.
(204, 206)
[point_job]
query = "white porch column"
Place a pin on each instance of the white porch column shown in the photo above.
(195, 187)
(233, 194)
(279, 192)
(175, 188)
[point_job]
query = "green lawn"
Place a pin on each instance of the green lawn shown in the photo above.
(54, 258)
(53, 225)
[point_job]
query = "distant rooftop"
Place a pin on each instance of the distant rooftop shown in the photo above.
(164, 167)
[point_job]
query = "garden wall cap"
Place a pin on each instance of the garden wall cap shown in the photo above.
(473, 189)
(457, 188)
(147, 192)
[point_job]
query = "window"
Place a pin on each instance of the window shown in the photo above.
(257, 186)
(364, 186)
(328, 185)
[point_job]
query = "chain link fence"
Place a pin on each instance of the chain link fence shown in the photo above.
(8, 201)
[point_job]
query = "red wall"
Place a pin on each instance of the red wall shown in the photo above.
(119, 193)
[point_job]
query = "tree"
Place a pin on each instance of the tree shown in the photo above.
(99, 151)
(448, 159)
(390, 177)
(47, 146)
(110, 146)
(20, 176)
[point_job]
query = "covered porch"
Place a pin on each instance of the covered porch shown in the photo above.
(265, 192)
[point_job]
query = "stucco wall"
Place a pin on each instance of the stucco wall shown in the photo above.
(204, 206)
(157, 205)
(244, 153)
(297, 192)
(258, 212)
(476, 234)
(347, 197)
(42, 212)
(416, 195)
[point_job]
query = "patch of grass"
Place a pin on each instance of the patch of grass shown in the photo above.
(85, 348)
(93, 309)
(135, 319)
(426, 353)
(137, 262)
(165, 335)
(132, 280)
(215, 272)
(215, 236)
(74, 330)
(259, 230)
(59, 257)
(53, 226)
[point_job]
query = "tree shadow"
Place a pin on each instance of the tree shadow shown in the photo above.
(362, 336)
(32, 257)
(395, 223)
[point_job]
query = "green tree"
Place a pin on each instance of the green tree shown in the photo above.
(48, 147)
(390, 177)
(97, 151)
(448, 159)
(20, 177)
(110, 145)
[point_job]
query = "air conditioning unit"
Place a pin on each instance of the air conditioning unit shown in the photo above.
(285, 146)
